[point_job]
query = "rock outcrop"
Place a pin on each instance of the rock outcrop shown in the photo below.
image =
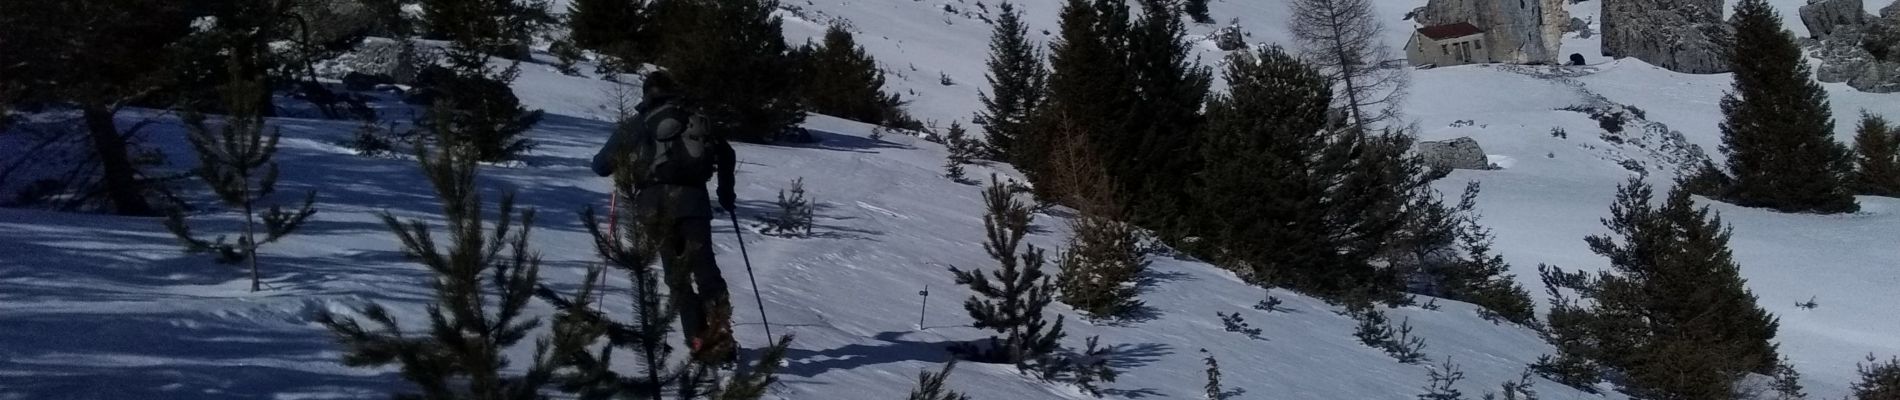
(1843, 35)
(1515, 31)
(1460, 153)
(1827, 17)
(1680, 35)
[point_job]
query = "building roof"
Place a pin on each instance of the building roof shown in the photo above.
(1450, 31)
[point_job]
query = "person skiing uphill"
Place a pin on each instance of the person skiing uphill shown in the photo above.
(673, 151)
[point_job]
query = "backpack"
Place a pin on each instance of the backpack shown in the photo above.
(676, 157)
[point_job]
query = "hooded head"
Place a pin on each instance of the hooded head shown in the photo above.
(659, 85)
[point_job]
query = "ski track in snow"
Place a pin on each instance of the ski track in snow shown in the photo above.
(100, 307)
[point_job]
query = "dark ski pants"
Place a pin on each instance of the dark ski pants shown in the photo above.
(692, 276)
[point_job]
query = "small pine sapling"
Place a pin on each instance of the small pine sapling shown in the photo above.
(1234, 323)
(1098, 273)
(1519, 389)
(931, 385)
(1270, 304)
(1009, 300)
(795, 212)
(961, 151)
(1787, 381)
(1213, 387)
(1374, 330)
(237, 162)
(1444, 382)
(484, 277)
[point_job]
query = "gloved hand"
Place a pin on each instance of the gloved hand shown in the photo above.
(728, 201)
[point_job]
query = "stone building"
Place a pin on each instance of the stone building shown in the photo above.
(1446, 45)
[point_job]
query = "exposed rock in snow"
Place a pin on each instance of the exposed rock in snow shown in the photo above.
(1838, 33)
(379, 57)
(1460, 153)
(1679, 35)
(1520, 31)
(1825, 17)
(1229, 38)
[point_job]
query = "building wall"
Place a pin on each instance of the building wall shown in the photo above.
(1423, 50)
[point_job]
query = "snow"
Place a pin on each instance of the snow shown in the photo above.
(101, 307)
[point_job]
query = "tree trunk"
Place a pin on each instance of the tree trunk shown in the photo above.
(123, 188)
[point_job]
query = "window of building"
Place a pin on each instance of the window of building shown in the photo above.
(1445, 49)
(1479, 43)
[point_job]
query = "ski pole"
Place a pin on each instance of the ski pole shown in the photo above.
(749, 275)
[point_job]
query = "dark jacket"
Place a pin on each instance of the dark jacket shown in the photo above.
(659, 199)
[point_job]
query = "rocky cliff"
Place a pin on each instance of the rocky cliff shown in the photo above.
(1516, 31)
(1680, 35)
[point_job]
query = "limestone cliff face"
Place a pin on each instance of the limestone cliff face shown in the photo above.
(1516, 31)
(1679, 35)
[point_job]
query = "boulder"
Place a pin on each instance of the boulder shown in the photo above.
(1576, 25)
(1515, 31)
(1845, 55)
(1460, 153)
(1827, 17)
(1229, 38)
(1679, 35)
(381, 57)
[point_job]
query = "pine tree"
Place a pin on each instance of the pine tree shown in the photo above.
(1672, 313)
(1090, 88)
(478, 105)
(1877, 157)
(1152, 152)
(730, 59)
(1213, 386)
(609, 26)
(1777, 129)
(237, 162)
(930, 385)
(484, 278)
(1878, 380)
(961, 150)
(1344, 39)
(1017, 77)
(1261, 193)
(1444, 377)
(1478, 275)
(96, 55)
(1012, 303)
(1197, 9)
(478, 29)
(843, 81)
(1097, 274)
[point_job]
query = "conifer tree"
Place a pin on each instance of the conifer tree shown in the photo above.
(1098, 273)
(609, 26)
(1877, 157)
(961, 150)
(843, 81)
(930, 385)
(1090, 87)
(1213, 387)
(1010, 300)
(478, 29)
(1017, 77)
(236, 161)
(1878, 380)
(484, 277)
(730, 58)
(1480, 276)
(478, 105)
(96, 55)
(1777, 129)
(1671, 314)
(1152, 152)
(1262, 183)
(589, 373)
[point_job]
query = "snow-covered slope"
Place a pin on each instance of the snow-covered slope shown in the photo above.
(97, 307)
